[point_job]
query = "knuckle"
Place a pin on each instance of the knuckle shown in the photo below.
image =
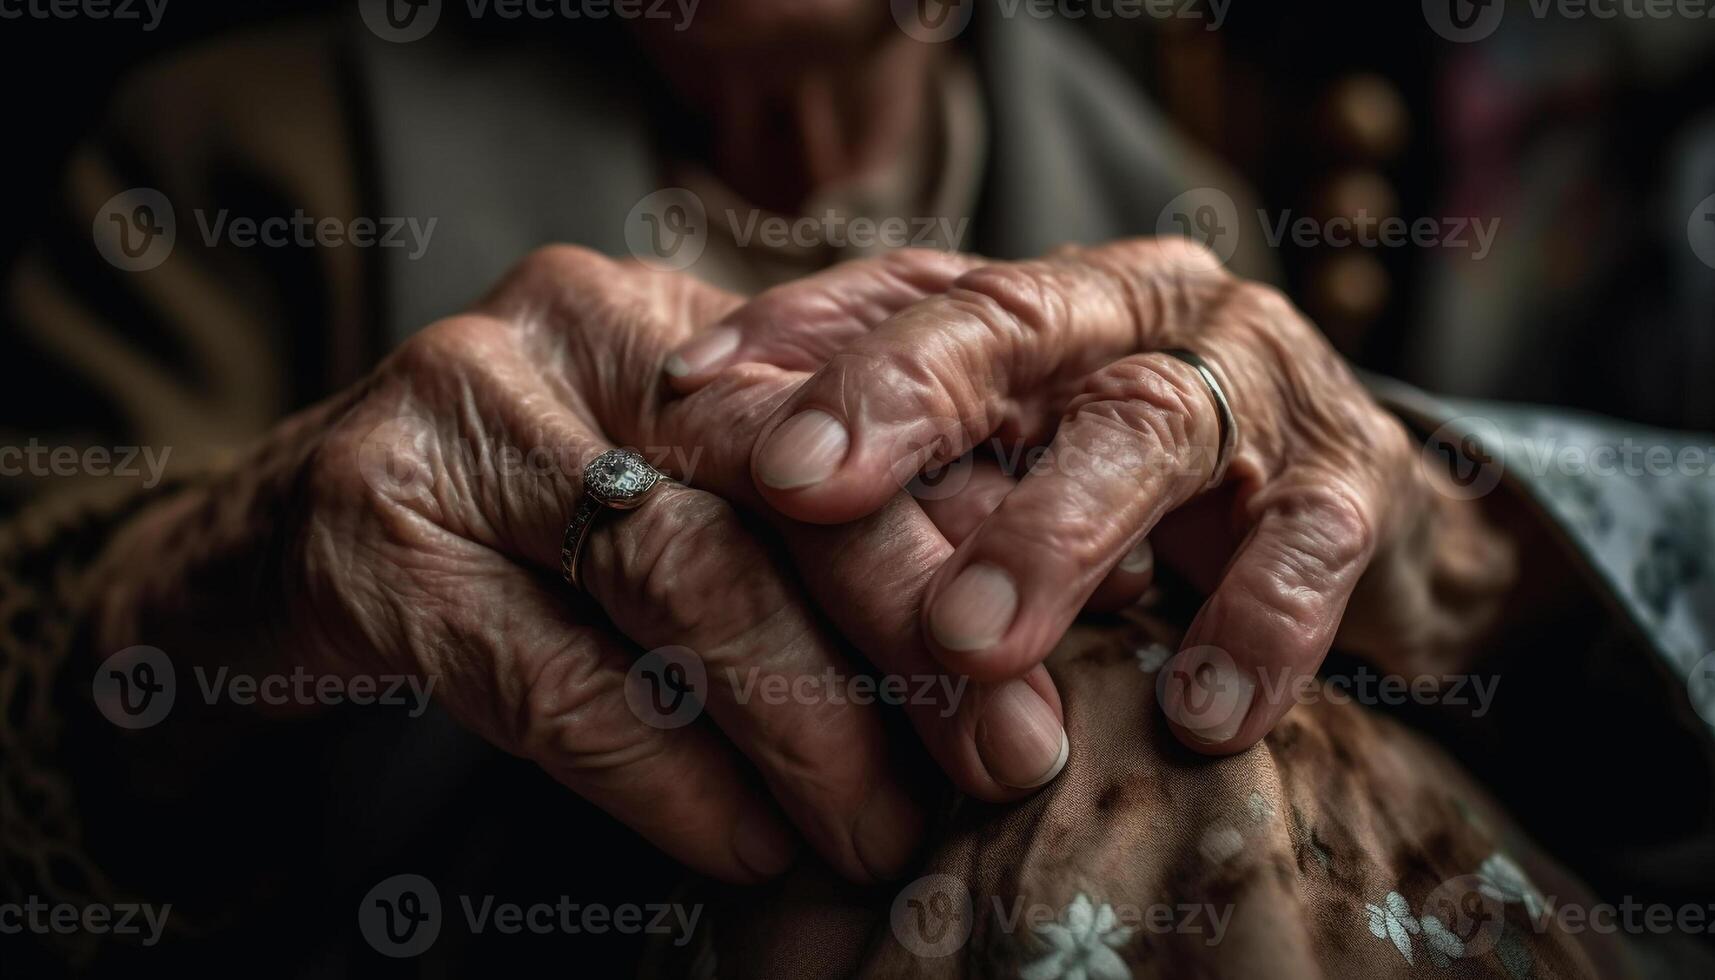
(686, 563)
(446, 345)
(930, 269)
(574, 717)
(1135, 395)
(1281, 581)
(1175, 253)
(549, 278)
(560, 262)
(1015, 301)
(1264, 302)
(1328, 534)
(1385, 439)
(793, 747)
(1065, 532)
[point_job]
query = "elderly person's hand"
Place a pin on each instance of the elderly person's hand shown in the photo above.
(417, 524)
(1059, 362)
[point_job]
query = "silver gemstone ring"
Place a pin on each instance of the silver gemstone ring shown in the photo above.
(618, 479)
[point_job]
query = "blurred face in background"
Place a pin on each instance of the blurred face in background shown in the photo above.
(794, 93)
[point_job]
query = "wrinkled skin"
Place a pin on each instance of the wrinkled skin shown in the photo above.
(420, 548)
(1323, 497)
(404, 540)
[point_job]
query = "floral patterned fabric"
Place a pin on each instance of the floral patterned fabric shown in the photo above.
(1343, 846)
(1346, 844)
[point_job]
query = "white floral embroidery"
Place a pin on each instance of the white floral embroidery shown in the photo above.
(1444, 947)
(1261, 809)
(1393, 920)
(1505, 881)
(1221, 843)
(1150, 658)
(1081, 945)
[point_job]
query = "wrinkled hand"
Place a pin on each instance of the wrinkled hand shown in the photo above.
(433, 507)
(1055, 362)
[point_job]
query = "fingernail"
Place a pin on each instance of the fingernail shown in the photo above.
(1208, 695)
(806, 449)
(887, 832)
(705, 353)
(763, 845)
(1018, 738)
(973, 613)
(1139, 560)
